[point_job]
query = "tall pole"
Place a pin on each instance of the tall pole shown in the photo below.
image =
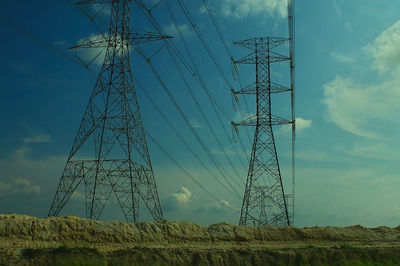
(291, 23)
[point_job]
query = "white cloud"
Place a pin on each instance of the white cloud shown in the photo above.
(178, 200)
(183, 196)
(173, 30)
(301, 124)
(374, 149)
(87, 55)
(386, 50)
(314, 156)
(363, 109)
(22, 182)
(368, 149)
(19, 186)
(21, 156)
(230, 151)
(369, 110)
(244, 8)
(37, 138)
(219, 206)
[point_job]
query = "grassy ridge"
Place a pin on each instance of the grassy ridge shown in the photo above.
(344, 255)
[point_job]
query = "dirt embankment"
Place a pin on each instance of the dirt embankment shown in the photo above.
(25, 240)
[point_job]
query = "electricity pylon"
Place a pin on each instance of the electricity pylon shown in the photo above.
(110, 151)
(264, 200)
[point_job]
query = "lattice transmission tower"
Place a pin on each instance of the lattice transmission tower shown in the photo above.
(110, 153)
(264, 200)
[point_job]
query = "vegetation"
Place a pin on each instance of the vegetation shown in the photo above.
(312, 255)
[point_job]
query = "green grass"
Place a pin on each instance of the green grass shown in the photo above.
(347, 246)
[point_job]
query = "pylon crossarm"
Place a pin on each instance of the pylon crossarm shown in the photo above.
(103, 40)
(275, 57)
(250, 121)
(98, 41)
(248, 59)
(136, 38)
(277, 88)
(253, 42)
(250, 89)
(279, 121)
(254, 58)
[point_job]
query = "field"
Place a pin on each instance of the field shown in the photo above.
(26, 240)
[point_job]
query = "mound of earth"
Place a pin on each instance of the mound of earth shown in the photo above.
(26, 240)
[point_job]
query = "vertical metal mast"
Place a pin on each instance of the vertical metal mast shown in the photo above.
(264, 200)
(111, 134)
(291, 23)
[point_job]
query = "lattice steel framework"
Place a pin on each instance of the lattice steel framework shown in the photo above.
(111, 133)
(264, 200)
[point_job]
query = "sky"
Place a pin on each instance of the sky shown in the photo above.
(347, 76)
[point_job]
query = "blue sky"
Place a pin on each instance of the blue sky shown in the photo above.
(347, 68)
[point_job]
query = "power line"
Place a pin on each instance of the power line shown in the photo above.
(178, 108)
(175, 51)
(196, 74)
(222, 38)
(217, 27)
(203, 41)
(181, 58)
(43, 43)
(196, 101)
(165, 118)
(187, 173)
(206, 120)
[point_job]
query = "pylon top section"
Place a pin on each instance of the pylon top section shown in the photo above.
(256, 43)
(262, 50)
(119, 34)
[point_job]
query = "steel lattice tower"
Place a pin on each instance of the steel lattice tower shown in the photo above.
(264, 200)
(111, 132)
